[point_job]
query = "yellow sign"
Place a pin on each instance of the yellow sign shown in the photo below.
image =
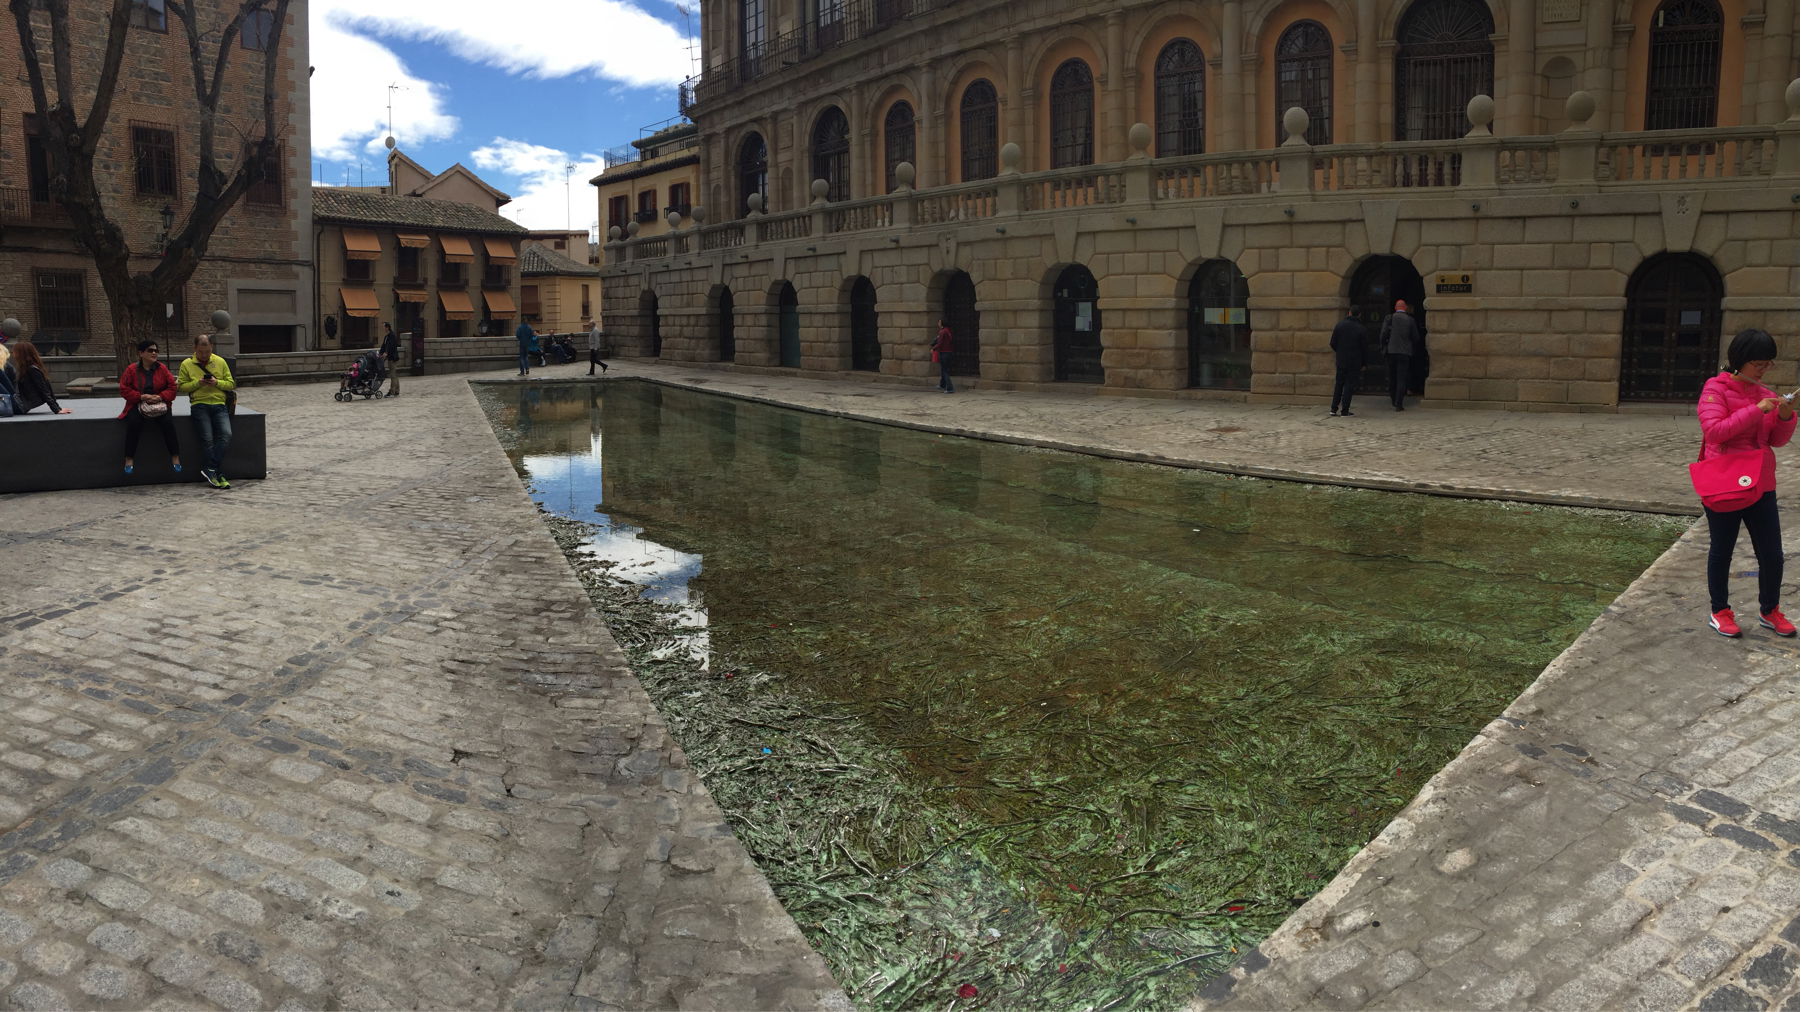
(1456, 283)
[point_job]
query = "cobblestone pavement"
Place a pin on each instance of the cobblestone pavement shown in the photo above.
(351, 737)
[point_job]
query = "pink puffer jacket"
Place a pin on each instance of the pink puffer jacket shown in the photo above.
(1730, 421)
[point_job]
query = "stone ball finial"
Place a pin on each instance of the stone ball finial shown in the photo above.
(1792, 98)
(1295, 123)
(11, 328)
(675, 220)
(754, 203)
(221, 321)
(1010, 155)
(1481, 112)
(697, 214)
(1138, 138)
(820, 189)
(904, 175)
(1579, 107)
(631, 229)
(614, 233)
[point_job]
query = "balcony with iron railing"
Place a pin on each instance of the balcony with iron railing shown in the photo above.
(1578, 160)
(837, 24)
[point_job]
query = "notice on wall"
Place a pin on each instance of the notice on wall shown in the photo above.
(1084, 317)
(1559, 10)
(1455, 283)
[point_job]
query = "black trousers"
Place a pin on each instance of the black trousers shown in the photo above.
(1399, 366)
(134, 428)
(1344, 384)
(594, 360)
(1765, 525)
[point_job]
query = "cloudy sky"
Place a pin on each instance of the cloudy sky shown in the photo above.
(517, 92)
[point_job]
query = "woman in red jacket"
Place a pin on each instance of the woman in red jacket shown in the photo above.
(149, 389)
(1739, 413)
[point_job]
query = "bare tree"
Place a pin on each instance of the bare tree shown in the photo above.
(136, 296)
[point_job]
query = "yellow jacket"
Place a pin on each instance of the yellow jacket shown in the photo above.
(188, 381)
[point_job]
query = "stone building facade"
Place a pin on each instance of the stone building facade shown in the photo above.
(436, 268)
(1584, 201)
(645, 182)
(559, 291)
(258, 265)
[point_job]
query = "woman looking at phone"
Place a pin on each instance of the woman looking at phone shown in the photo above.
(1739, 413)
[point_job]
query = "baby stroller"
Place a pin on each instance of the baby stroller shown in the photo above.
(363, 377)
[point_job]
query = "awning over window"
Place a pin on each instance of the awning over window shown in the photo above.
(457, 249)
(361, 244)
(409, 295)
(456, 305)
(500, 251)
(415, 241)
(500, 304)
(360, 302)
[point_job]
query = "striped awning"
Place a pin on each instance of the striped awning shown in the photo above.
(361, 244)
(409, 295)
(457, 249)
(500, 251)
(360, 302)
(456, 305)
(500, 304)
(415, 241)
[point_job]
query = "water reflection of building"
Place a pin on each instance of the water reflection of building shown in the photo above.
(1581, 240)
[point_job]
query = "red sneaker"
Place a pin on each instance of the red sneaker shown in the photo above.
(1724, 624)
(1774, 621)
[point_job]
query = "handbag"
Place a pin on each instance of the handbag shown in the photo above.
(1733, 481)
(153, 409)
(6, 405)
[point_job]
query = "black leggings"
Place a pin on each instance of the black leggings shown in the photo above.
(1765, 525)
(134, 427)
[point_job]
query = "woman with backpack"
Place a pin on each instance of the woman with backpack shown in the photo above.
(34, 380)
(149, 389)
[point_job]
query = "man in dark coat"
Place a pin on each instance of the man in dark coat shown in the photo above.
(1348, 340)
(1400, 339)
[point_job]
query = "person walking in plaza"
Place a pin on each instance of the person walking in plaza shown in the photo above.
(148, 388)
(594, 345)
(1400, 336)
(34, 386)
(206, 379)
(528, 342)
(941, 354)
(390, 359)
(1740, 415)
(1348, 341)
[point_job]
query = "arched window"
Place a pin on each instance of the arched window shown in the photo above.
(831, 153)
(1181, 100)
(1072, 115)
(980, 131)
(753, 36)
(1442, 60)
(753, 171)
(897, 139)
(1683, 87)
(1304, 78)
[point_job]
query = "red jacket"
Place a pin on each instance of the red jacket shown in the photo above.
(131, 385)
(1730, 421)
(942, 346)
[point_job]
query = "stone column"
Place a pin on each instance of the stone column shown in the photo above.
(1597, 70)
(928, 137)
(1776, 68)
(1013, 126)
(1113, 93)
(1518, 94)
(1366, 110)
(1231, 45)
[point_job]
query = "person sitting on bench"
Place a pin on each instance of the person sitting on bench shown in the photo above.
(148, 388)
(34, 381)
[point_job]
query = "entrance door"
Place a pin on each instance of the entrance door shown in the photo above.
(1219, 328)
(865, 348)
(788, 326)
(1671, 343)
(1379, 281)
(728, 335)
(1076, 320)
(966, 325)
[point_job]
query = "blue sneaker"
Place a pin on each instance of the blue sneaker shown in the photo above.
(177, 468)
(128, 468)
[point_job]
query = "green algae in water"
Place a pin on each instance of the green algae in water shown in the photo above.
(1072, 732)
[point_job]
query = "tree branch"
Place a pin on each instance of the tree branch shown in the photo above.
(116, 30)
(60, 61)
(28, 44)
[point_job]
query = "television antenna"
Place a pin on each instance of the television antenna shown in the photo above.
(568, 221)
(392, 88)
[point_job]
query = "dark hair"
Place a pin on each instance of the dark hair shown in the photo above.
(144, 346)
(1750, 345)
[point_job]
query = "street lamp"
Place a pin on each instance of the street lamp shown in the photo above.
(162, 241)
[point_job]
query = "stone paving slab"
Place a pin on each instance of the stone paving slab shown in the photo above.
(350, 737)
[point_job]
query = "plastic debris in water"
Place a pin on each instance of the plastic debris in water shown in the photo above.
(767, 752)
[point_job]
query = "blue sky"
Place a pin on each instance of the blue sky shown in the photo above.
(516, 100)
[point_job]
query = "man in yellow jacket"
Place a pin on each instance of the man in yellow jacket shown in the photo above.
(206, 379)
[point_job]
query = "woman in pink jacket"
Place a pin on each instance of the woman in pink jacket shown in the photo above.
(1739, 413)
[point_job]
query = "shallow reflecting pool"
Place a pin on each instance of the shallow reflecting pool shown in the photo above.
(1062, 730)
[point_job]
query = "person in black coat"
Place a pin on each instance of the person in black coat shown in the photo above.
(1348, 340)
(1401, 342)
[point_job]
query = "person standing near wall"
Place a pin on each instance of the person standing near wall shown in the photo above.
(206, 379)
(1399, 336)
(390, 356)
(941, 354)
(1348, 340)
(594, 348)
(528, 342)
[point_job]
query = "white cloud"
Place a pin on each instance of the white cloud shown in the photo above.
(544, 194)
(350, 95)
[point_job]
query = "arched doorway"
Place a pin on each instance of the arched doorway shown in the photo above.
(1076, 322)
(727, 328)
(965, 322)
(1379, 281)
(1671, 341)
(1219, 327)
(788, 326)
(865, 347)
(647, 315)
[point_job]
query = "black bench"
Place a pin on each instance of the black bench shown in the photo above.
(42, 452)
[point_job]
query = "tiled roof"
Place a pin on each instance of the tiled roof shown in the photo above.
(538, 260)
(331, 203)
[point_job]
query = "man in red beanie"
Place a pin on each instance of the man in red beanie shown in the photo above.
(1400, 335)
